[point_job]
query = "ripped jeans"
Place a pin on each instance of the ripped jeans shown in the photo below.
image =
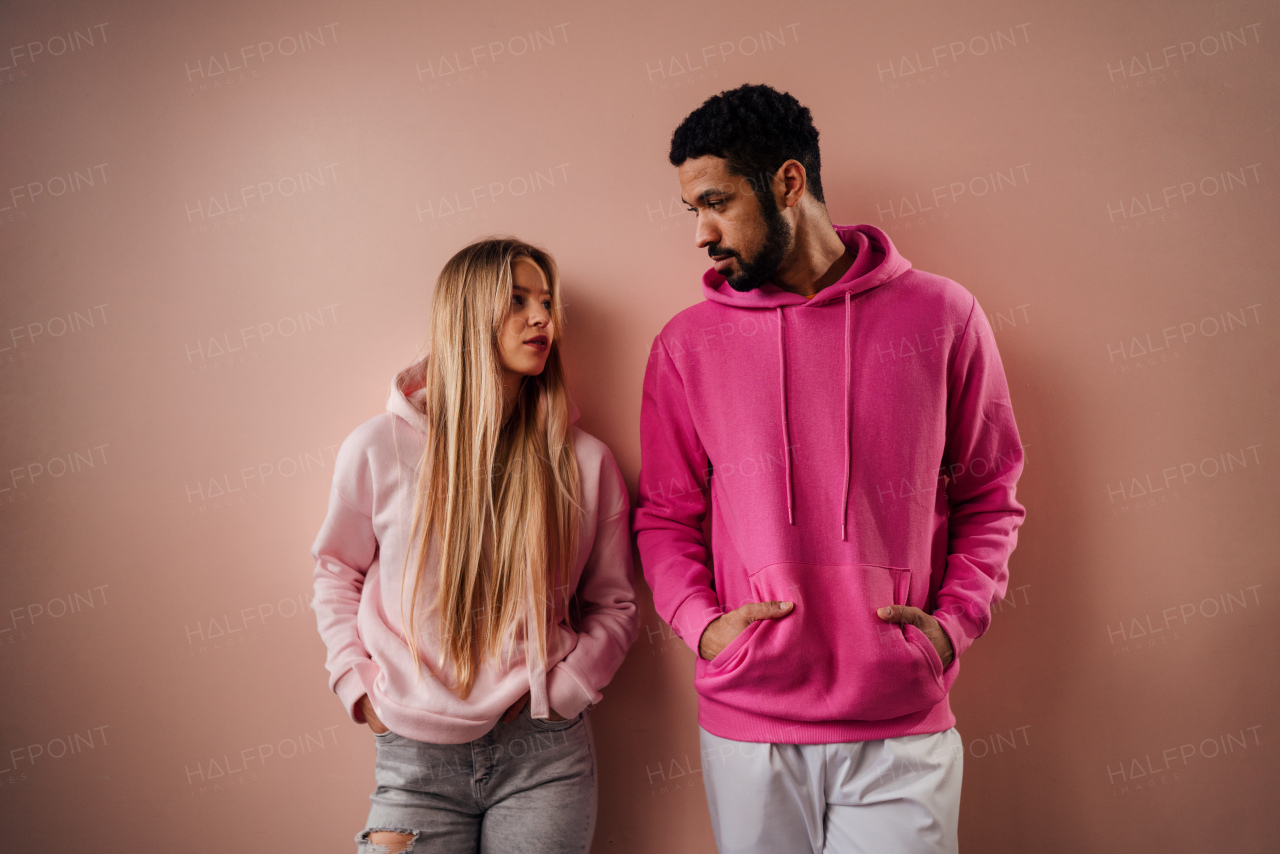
(527, 786)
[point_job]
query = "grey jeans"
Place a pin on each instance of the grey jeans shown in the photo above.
(527, 786)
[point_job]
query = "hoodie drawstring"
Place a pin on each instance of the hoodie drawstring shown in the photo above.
(848, 434)
(786, 429)
(538, 705)
(847, 420)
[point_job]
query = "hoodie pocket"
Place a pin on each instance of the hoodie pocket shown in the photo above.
(731, 653)
(831, 658)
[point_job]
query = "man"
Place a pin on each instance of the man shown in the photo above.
(846, 421)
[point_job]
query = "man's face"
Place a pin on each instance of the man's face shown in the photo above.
(745, 235)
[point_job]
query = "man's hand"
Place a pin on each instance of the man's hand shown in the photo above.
(721, 631)
(926, 623)
(370, 717)
(513, 711)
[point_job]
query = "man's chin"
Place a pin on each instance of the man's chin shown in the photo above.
(745, 280)
(742, 285)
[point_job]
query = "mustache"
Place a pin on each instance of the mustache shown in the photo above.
(716, 249)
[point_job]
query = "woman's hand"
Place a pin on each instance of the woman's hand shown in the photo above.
(513, 711)
(370, 716)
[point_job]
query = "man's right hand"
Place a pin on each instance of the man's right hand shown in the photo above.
(721, 631)
(370, 716)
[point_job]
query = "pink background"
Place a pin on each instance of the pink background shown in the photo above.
(1099, 175)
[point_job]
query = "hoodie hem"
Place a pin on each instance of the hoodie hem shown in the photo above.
(422, 725)
(740, 725)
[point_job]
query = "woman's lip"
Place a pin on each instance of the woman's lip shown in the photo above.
(540, 343)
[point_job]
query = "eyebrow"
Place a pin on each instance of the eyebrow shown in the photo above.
(525, 290)
(702, 197)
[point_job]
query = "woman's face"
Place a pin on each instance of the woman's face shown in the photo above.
(526, 335)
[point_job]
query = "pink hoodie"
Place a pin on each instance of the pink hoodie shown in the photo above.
(360, 556)
(855, 450)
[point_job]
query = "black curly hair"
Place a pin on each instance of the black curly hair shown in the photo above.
(756, 129)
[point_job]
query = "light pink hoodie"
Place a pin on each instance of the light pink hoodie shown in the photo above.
(360, 558)
(862, 452)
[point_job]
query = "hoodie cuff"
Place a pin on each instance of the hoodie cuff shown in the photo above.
(566, 695)
(960, 635)
(350, 688)
(692, 618)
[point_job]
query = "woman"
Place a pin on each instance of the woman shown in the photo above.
(473, 578)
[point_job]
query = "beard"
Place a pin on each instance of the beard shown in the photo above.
(755, 271)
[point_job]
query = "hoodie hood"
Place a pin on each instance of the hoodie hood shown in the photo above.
(409, 395)
(876, 261)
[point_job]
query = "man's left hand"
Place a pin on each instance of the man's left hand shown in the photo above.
(924, 622)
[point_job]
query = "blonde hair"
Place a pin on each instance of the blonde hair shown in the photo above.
(498, 501)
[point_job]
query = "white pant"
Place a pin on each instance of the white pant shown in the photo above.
(889, 796)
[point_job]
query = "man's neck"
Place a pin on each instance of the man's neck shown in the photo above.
(818, 258)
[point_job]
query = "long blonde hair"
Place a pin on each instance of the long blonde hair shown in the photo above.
(498, 501)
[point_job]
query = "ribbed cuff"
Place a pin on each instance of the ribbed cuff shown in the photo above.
(350, 688)
(566, 694)
(958, 632)
(693, 617)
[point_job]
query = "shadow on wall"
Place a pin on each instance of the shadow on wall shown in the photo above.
(594, 362)
(646, 728)
(1020, 673)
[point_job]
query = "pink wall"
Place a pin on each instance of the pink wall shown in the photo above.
(1100, 175)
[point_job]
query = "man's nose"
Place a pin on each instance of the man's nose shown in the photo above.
(706, 233)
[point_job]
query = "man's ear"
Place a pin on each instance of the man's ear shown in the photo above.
(791, 181)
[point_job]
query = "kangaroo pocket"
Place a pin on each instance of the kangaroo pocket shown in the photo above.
(831, 658)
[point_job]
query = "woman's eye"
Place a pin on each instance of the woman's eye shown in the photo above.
(546, 304)
(517, 299)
